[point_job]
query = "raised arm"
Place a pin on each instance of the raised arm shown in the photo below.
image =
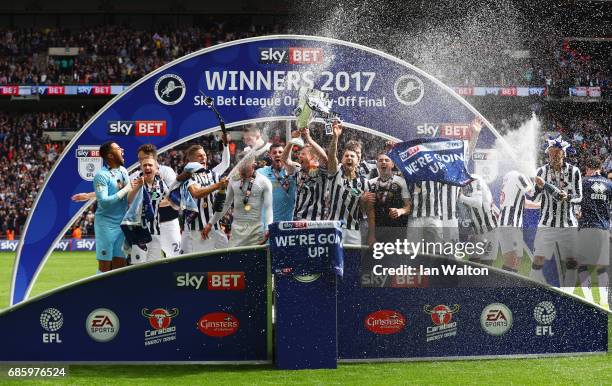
(332, 150)
(318, 150)
(101, 188)
(225, 161)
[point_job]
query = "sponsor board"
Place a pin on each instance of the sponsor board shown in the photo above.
(160, 320)
(51, 320)
(544, 314)
(496, 319)
(218, 324)
(89, 161)
(213, 281)
(442, 318)
(102, 325)
(137, 128)
(385, 322)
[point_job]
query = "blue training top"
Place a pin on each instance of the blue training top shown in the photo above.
(107, 182)
(595, 205)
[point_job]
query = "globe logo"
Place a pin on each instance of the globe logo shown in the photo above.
(51, 319)
(544, 313)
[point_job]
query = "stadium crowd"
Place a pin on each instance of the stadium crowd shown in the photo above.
(107, 54)
(119, 54)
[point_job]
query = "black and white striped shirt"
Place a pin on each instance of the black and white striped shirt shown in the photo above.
(479, 200)
(157, 192)
(344, 199)
(560, 214)
(310, 197)
(448, 195)
(512, 199)
(426, 199)
(205, 204)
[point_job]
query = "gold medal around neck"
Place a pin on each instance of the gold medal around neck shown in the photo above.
(247, 207)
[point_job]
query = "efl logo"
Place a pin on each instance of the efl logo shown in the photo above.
(385, 322)
(291, 55)
(137, 128)
(226, 281)
(51, 320)
(544, 313)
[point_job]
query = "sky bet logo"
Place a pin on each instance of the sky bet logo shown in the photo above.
(137, 128)
(291, 55)
(213, 281)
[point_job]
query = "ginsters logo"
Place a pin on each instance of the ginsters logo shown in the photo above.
(170, 89)
(218, 324)
(385, 322)
(161, 330)
(442, 318)
(496, 319)
(102, 325)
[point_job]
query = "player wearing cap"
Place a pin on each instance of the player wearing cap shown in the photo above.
(559, 186)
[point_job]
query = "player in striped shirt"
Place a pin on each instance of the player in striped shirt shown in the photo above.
(515, 188)
(483, 213)
(158, 191)
(391, 203)
(559, 186)
(311, 178)
(346, 187)
(203, 186)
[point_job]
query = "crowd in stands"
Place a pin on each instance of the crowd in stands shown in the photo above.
(26, 155)
(107, 54)
(118, 54)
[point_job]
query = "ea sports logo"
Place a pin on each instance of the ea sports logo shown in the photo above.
(408, 90)
(496, 319)
(170, 89)
(102, 325)
(51, 319)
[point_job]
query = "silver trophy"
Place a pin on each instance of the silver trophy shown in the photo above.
(313, 104)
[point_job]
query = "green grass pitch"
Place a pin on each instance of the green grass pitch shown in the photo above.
(65, 267)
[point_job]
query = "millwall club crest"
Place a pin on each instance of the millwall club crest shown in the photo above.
(89, 161)
(486, 164)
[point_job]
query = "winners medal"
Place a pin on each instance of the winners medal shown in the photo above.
(247, 194)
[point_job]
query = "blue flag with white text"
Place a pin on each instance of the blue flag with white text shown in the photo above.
(432, 159)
